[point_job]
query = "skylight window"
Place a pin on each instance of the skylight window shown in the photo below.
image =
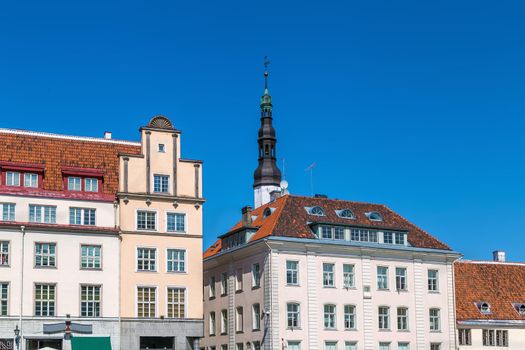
(267, 212)
(520, 308)
(345, 213)
(484, 307)
(374, 216)
(316, 211)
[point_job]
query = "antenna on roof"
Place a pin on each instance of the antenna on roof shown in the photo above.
(310, 168)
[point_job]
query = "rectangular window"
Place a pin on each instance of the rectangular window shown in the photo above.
(238, 280)
(256, 345)
(90, 256)
(162, 148)
(146, 220)
(339, 233)
(74, 183)
(326, 232)
(12, 178)
(465, 337)
(382, 277)
(45, 300)
(432, 280)
(434, 319)
(146, 259)
(30, 180)
(350, 345)
(399, 238)
(384, 346)
(4, 298)
(435, 346)
(384, 317)
(176, 302)
(224, 322)
(239, 346)
(90, 301)
(349, 317)
(42, 213)
(330, 345)
(256, 317)
(45, 254)
(176, 222)
(224, 283)
(401, 278)
(4, 253)
(348, 276)
(213, 325)
(403, 346)
(329, 316)
(176, 259)
(81, 216)
(294, 345)
(328, 275)
(292, 272)
(239, 319)
(212, 287)
(90, 184)
(402, 318)
(502, 338)
(256, 275)
(8, 211)
(160, 183)
(224, 347)
(388, 237)
(146, 301)
(489, 338)
(292, 315)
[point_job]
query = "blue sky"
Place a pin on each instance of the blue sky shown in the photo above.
(415, 104)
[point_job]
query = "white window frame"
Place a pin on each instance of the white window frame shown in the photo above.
(328, 276)
(212, 290)
(433, 281)
(330, 316)
(161, 148)
(434, 320)
(176, 214)
(46, 214)
(382, 279)
(349, 276)
(4, 300)
(383, 317)
(176, 305)
(256, 275)
(292, 273)
(349, 320)
(91, 300)
(178, 261)
(83, 217)
(224, 283)
(49, 257)
(224, 321)
(93, 184)
(402, 320)
(5, 253)
(293, 315)
(146, 261)
(148, 302)
(91, 258)
(239, 319)
(8, 212)
(12, 178)
(72, 183)
(239, 280)
(31, 180)
(401, 279)
(161, 177)
(212, 325)
(146, 211)
(48, 302)
(464, 336)
(256, 317)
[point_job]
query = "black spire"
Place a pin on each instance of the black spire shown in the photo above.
(267, 173)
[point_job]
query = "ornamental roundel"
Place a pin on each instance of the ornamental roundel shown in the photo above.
(160, 122)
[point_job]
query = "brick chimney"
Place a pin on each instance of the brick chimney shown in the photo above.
(246, 216)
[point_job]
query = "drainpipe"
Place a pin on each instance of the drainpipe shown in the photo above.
(270, 292)
(23, 232)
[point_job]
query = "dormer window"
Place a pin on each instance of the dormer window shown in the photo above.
(267, 212)
(74, 183)
(484, 307)
(374, 216)
(318, 211)
(30, 180)
(345, 213)
(162, 148)
(520, 308)
(90, 184)
(12, 178)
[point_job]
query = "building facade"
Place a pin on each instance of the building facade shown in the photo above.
(490, 304)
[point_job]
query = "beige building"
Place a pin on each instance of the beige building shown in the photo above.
(160, 211)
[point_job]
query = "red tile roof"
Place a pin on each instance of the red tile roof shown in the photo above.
(58, 153)
(496, 283)
(292, 220)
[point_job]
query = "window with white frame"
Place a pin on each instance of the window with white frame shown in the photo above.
(502, 338)
(330, 345)
(176, 302)
(90, 184)
(350, 345)
(339, 233)
(146, 220)
(294, 345)
(161, 183)
(256, 345)
(326, 232)
(224, 347)
(30, 180)
(74, 183)
(384, 317)
(224, 322)
(348, 276)
(434, 319)
(292, 315)
(401, 278)
(435, 346)
(402, 318)
(4, 298)
(176, 260)
(363, 235)
(45, 299)
(292, 272)
(12, 178)
(146, 259)
(4, 253)
(349, 317)
(433, 280)
(238, 280)
(90, 256)
(224, 283)
(146, 302)
(384, 346)
(176, 222)
(43, 213)
(382, 277)
(399, 238)
(82, 216)
(161, 148)
(45, 254)
(464, 336)
(256, 317)
(489, 337)
(403, 346)
(8, 211)
(239, 346)
(388, 237)
(212, 325)
(212, 287)
(90, 301)
(256, 275)
(239, 319)
(329, 316)
(484, 307)
(328, 275)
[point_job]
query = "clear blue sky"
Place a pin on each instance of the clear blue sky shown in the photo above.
(416, 104)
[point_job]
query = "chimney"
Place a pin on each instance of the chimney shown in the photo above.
(498, 255)
(246, 216)
(107, 135)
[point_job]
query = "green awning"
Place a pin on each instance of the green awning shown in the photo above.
(90, 343)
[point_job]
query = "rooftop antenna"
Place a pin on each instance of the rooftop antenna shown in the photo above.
(310, 168)
(266, 64)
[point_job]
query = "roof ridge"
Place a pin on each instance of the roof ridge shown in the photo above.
(490, 262)
(66, 137)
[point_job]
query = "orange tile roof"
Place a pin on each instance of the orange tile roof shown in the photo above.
(292, 220)
(499, 284)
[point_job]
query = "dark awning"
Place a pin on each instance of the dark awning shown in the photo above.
(90, 343)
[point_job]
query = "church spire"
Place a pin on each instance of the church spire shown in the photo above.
(267, 176)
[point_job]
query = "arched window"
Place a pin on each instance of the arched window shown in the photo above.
(346, 213)
(266, 150)
(317, 211)
(521, 309)
(484, 307)
(267, 212)
(374, 216)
